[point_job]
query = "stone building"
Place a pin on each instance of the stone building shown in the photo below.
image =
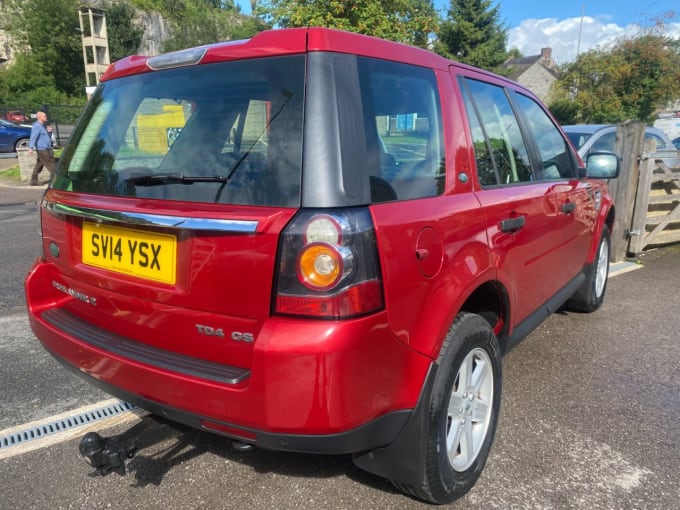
(537, 72)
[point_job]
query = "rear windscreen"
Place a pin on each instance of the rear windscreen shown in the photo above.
(229, 132)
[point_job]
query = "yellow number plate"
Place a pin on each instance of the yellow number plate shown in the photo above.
(139, 253)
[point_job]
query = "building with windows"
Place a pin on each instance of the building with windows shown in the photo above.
(537, 72)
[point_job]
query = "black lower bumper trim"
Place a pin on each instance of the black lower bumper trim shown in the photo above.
(121, 346)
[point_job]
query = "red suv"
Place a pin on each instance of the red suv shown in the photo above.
(317, 241)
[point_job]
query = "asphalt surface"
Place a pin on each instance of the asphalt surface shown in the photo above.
(589, 420)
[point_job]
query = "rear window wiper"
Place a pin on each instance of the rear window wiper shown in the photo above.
(158, 179)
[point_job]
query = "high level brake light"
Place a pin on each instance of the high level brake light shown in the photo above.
(329, 266)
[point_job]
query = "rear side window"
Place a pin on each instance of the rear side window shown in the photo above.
(660, 142)
(500, 150)
(404, 128)
(228, 132)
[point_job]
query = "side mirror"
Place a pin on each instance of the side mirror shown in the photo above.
(602, 165)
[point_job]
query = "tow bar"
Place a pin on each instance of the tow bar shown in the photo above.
(105, 454)
(108, 454)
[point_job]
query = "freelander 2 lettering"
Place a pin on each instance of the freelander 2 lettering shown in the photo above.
(142, 253)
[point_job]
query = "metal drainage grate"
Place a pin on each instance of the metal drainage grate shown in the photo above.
(65, 424)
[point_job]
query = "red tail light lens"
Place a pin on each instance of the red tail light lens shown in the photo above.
(328, 266)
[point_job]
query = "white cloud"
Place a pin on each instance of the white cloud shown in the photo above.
(563, 36)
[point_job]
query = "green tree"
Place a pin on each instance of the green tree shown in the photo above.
(49, 28)
(124, 36)
(406, 21)
(631, 80)
(28, 85)
(197, 22)
(473, 34)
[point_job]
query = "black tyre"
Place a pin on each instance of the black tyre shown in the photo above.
(22, 143)
(463, 411)
(591, 294)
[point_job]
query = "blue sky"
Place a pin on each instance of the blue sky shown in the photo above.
(619, 12)
(535, 24)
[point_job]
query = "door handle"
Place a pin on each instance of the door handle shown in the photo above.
(513, 224)
(568, 207)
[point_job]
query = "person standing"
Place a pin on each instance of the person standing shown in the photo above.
(41, 142)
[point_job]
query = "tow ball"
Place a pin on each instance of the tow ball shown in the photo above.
(106, 454)
(109, 454)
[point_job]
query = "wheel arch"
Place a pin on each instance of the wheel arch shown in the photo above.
(486, 296)
(490, 300)
(607, 216)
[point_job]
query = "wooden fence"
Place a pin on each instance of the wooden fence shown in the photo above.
(647, 196)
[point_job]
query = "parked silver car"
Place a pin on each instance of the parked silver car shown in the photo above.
(589, 138)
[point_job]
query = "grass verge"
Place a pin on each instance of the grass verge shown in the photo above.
(11, 174)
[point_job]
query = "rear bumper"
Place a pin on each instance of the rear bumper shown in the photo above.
(313, 386)
(377, 433)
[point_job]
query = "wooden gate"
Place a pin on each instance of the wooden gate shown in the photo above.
(656, 216)
(646, 194)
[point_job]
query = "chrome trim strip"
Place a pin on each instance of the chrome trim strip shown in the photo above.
(156, 220)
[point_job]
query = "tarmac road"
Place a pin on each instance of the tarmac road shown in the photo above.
(589, 420)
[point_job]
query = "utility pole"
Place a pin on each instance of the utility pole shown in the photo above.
(580, 29)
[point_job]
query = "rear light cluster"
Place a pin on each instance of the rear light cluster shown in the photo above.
(328, 265)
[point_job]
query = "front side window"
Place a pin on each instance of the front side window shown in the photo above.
(502, 155)
(553, 149)
(226, 133)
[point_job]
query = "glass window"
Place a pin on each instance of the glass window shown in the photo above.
(228, 132)
(406, 120)
(485, 166)
(660, 143)
(578, 139)
(604, 143)
(556, 158)
(504, 141)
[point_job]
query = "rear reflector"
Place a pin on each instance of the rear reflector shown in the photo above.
(229, 431)
(358, 300)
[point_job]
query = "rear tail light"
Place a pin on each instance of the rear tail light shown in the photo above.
(328, 265)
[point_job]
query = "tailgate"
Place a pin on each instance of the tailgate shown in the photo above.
(195, 282)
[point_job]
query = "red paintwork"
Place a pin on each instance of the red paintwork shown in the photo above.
(308, 377)
(315, 376)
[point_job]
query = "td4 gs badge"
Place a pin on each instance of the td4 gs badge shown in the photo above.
(237, 336)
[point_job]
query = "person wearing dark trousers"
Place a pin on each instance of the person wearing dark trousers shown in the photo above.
(41, 142)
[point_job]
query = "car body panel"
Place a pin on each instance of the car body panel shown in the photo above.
(11, 135)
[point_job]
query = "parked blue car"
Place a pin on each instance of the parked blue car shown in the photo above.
(12, 136)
